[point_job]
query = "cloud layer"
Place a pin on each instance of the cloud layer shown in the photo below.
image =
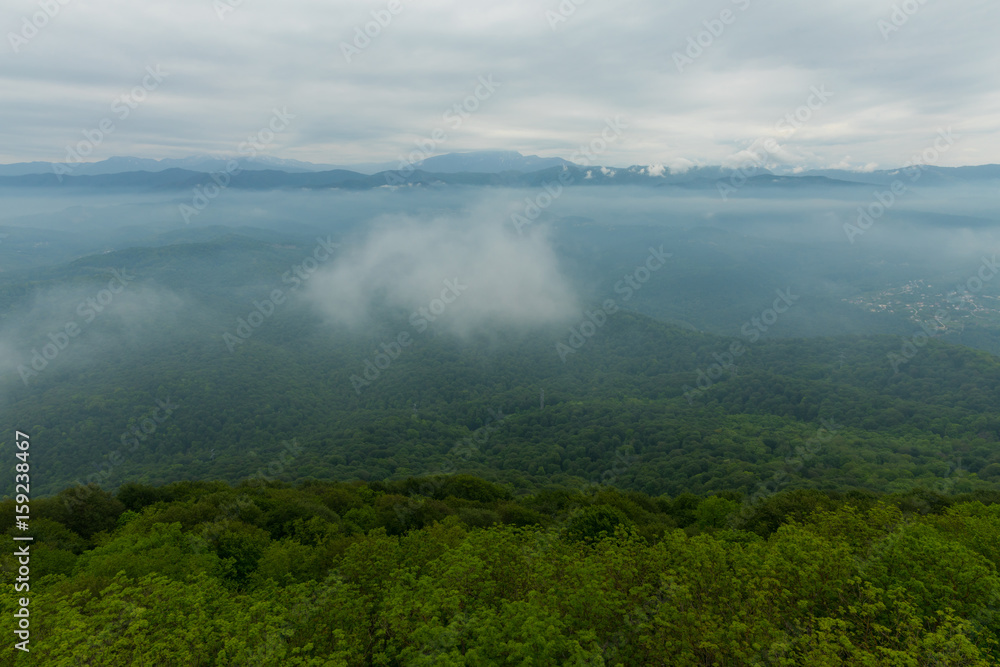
(462, 274)
(695, 81)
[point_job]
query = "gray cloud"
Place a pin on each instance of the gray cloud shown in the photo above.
(469, 272)
(891, 92)
(65, 328)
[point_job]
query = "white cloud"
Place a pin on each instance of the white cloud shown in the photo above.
(557, 87)
(503, 279)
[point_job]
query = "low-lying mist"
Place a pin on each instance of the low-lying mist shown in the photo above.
(464, 273)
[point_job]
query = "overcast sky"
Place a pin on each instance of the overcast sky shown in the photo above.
(560, 76)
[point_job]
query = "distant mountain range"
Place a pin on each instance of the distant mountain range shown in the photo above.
(496, 168)
(935, 175)
(121, 165)
(487, 162)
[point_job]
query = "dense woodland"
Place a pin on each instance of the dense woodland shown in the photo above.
(455, 570)
(654, 499)
(628, 400)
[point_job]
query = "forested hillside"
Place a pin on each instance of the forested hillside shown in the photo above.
(821, 413)
(616, 489)
(454, 570)
(397, 334)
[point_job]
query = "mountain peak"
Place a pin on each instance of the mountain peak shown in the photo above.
(489, 162)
